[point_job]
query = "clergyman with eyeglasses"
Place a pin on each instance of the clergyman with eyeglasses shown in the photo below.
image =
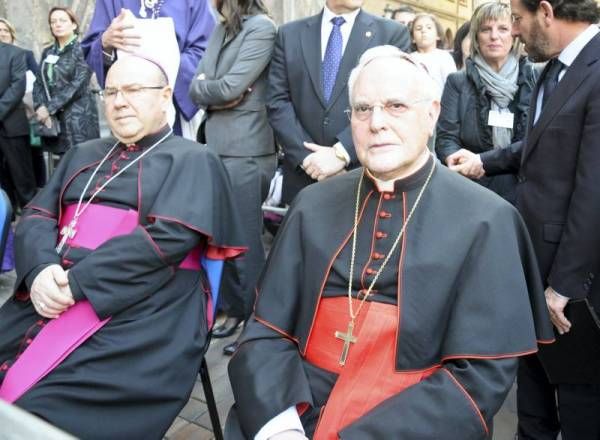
(105, 332)
(398, 296)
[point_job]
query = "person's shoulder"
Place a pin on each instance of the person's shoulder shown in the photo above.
(476, 201)
(260, 21)
(12, 50)
(260, 24)
(330, 190)
(456, 79)
(296, 25)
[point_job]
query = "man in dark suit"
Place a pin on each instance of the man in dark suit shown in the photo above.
(14, 127)
(558, 165)
(308, 91)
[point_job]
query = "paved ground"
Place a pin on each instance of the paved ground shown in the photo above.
(193, 422)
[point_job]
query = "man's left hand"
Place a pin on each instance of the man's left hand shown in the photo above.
(556, 305)
(322, 162)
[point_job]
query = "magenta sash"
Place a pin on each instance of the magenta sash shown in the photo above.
(61, 336)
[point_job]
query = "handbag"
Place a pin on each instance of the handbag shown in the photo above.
(39, 128)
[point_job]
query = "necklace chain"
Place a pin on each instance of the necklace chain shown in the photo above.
(79, 210)
(353, 315)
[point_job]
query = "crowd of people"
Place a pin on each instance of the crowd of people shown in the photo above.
(441, 237)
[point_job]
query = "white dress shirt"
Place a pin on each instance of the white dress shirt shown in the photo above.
(567, 57)
(327, 26)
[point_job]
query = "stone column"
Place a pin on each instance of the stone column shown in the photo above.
(288, 10)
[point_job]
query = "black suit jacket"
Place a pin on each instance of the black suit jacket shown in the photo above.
(13, 121)
(296, 108)
(558, 167)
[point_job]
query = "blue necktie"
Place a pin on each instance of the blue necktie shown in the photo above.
(333, 56)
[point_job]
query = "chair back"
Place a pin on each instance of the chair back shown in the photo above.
(214, 271)
(5, 216)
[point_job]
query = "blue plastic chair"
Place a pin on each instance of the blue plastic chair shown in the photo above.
(5, 216)
(214, 270)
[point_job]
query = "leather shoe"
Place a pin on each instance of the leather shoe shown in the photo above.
(223, 331)
(229, 349)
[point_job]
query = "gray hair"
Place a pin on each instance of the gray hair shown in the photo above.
(429, 89)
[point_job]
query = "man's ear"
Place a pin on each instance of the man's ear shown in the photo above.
(167, 96)
(433, 112)
(546, 12)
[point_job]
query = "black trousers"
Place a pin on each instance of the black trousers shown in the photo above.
(17, 175)
(545, 409)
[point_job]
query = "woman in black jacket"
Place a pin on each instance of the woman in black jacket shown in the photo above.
(485, 106)
(67, 77)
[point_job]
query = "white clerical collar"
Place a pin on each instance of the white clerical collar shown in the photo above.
(389, 185)
(569, 53)
(349, 18)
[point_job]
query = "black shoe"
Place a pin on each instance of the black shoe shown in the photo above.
(229, 349)
(223, 331)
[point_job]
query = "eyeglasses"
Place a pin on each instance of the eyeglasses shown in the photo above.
(395, 109)
(128, 91)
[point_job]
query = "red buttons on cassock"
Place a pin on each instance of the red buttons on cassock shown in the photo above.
(384, 214)
(388, 196)
(377, 256)
(371, 271)
(380, 235)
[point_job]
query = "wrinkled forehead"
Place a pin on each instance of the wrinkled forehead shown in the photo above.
(389, 78)
(134, 70)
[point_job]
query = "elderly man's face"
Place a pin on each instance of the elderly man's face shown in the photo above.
(391, 118)
(136, 99)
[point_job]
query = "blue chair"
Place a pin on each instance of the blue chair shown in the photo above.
(214, 270)
(5, 216)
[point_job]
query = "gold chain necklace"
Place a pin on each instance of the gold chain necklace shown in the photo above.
(347, 337)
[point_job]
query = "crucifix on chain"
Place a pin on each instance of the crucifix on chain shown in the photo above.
(66, 232)
(348, 339)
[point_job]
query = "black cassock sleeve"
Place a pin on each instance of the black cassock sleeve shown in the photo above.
(457, 402)
(129, 268)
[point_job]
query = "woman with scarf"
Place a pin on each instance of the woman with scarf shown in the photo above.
(62, 87)
(485, 106)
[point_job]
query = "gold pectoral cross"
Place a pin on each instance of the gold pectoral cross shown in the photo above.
(348, 339)
(66, 232)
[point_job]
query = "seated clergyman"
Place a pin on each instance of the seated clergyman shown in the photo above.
(397, 297)
(106, 330)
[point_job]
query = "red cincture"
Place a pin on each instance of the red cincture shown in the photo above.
(369, 376)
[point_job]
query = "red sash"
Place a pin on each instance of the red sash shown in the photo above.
(369, 376)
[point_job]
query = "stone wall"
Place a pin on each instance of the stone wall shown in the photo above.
(30, 17)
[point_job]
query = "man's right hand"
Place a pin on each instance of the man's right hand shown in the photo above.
(290, 434)
(50, 292)
(466, 163)
(121, 33)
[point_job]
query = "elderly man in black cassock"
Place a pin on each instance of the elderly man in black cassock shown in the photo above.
(397, 297)
(106, 330)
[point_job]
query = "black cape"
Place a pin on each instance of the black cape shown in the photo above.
(468, 288)
(132, 377)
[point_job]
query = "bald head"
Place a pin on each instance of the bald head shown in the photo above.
(136, 98)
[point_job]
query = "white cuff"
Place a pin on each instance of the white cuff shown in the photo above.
(559, 295)
(285, 421)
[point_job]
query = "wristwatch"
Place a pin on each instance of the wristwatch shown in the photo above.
(339, 152)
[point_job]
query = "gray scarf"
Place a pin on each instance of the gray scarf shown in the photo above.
(502, 87)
